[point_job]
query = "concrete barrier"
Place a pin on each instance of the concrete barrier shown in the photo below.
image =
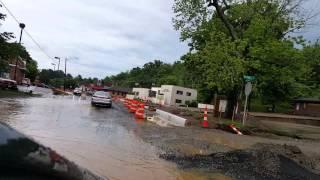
(170, 119)
(130, 96)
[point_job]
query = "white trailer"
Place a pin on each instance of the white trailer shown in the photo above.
(141, 93)
(176, 95)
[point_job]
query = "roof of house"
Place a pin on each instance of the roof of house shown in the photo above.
(118, 89)
(307, 100)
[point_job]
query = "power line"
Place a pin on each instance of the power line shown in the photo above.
(26, 32)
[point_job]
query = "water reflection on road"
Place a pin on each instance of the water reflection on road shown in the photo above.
(103, 140)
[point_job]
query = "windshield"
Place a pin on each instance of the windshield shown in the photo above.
(160, 89)
(101, 93)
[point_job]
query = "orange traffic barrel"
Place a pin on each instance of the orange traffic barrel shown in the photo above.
(139, 114)
(134, 106)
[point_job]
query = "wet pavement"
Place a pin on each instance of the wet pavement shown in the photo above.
(106, 141)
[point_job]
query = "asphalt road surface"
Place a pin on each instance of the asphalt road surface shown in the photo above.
(103, 140)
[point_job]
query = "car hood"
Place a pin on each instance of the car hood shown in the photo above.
(22, 157)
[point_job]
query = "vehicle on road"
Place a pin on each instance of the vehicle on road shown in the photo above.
(101, 98)
(77, 92)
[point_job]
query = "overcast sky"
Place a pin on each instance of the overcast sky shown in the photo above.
(106, 36)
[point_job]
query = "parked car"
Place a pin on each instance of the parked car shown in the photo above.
(101, 98)
(77, 91)
(8, 84)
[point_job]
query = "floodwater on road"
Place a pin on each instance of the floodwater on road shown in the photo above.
(94, 138)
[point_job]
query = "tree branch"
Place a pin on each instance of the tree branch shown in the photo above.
(226, 4)
(224, 19)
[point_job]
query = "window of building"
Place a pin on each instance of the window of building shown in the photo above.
(178, 101)
(188, 93)
(152, 93)
(180, 92)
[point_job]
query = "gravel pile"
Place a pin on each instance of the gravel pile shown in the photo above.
(265, 162)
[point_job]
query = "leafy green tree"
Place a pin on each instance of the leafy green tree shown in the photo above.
(56, 82)
(70, 83)
(46, 75)
(12, 50)
(238, 38)
(4, 46)
(151, 74)
(311, 54)
(32, 70)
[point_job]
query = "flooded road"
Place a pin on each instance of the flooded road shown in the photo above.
(105, 141)
(92, 137)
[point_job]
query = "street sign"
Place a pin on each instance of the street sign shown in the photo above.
(248, 89)
(249, 78)
(223, 105)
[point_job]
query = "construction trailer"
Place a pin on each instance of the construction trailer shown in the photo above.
(176, 95)
(156, 96)
(141, 93)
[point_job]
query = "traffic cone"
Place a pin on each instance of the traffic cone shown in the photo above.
(205, 123)
(140, 112)
(134, 106)
(129, 104)
(125, 103)
(235, 129)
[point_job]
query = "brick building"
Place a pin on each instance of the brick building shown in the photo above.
(17, 74)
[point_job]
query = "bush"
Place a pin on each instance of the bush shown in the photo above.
(192, 104)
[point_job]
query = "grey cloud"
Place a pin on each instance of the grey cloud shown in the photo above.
(108, 36)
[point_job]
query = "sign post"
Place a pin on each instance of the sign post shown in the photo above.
(247, 91)
(222, 107)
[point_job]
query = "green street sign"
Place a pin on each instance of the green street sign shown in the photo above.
(249, 78)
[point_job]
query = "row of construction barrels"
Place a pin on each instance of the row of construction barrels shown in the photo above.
(136, 107)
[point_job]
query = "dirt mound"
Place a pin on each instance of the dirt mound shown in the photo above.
(262, 161)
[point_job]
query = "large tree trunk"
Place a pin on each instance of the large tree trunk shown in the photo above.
(232, 102)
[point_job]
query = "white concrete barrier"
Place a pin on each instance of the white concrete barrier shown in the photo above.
(130, 96)
(170, 119)
(208, 106)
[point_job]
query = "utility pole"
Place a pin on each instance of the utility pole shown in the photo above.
(65, 74)
(58, 62)
(22, 26)
(54, 66)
